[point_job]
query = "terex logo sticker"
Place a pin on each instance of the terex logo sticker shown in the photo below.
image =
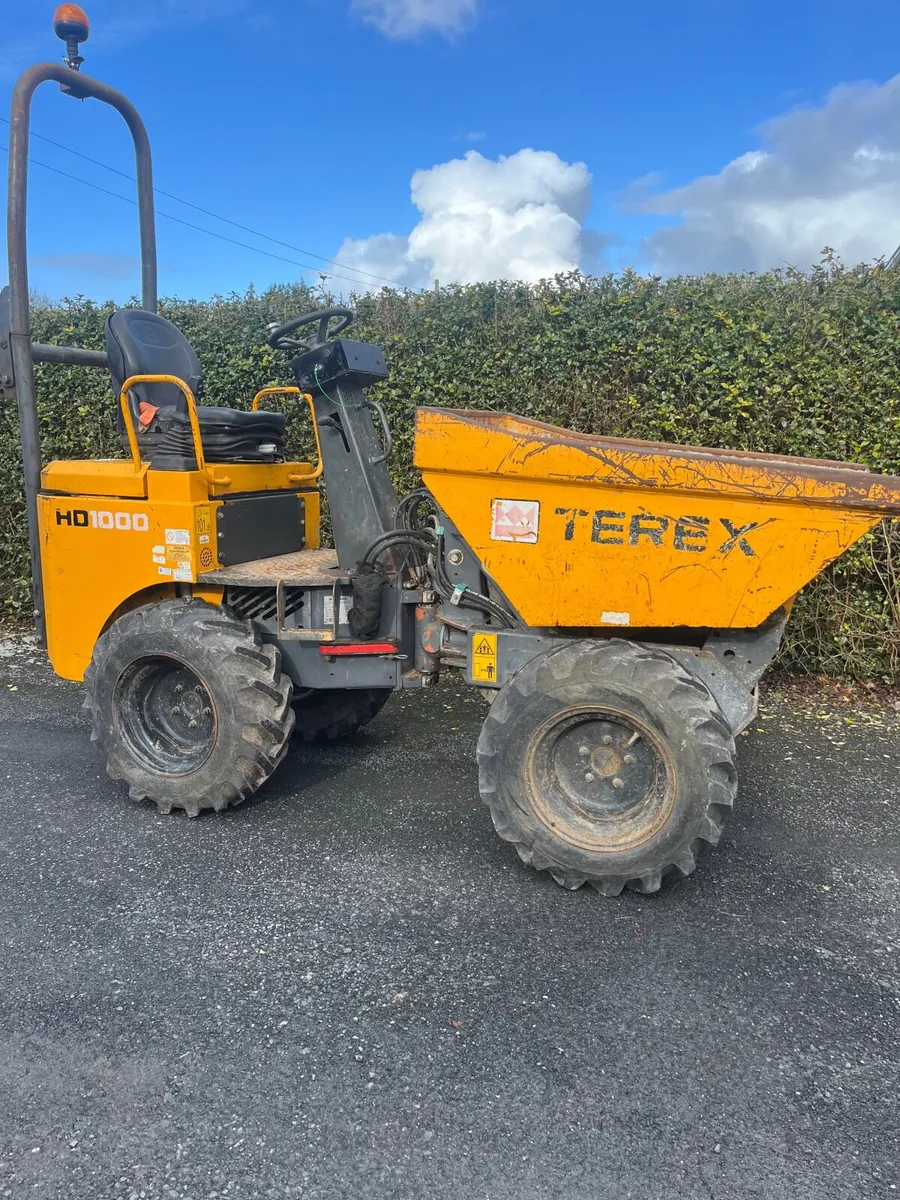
(691, 535)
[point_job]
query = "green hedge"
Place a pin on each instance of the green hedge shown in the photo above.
(787, 362)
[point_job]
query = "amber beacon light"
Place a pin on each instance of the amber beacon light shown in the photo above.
(71, 25)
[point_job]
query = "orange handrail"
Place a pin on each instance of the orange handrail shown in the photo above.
(192, 415)
(295, 391)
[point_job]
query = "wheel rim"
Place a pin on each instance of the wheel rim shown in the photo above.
(166, 715)
(600, 779)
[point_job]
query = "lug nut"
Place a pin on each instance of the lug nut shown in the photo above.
(198, 689)
(207, 712)
(193, 725)
(628, 760)
(617, 783)
(583, 751)
(607, 741)
(176, 711)
(589, 778)
(179, 688)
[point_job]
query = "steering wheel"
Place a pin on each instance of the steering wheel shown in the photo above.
(278, 337)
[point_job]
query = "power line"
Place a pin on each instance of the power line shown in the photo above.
(188, 224)
(208, 212)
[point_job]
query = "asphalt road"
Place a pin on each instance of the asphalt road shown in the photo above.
(351, 988)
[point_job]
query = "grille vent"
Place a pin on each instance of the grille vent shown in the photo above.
(260, 604)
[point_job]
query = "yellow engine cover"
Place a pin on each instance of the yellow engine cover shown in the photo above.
(113, 538)
(583, 531)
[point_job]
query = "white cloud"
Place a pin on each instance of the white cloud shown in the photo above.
(408, 18)
(381, 260)
(520, 217)
(824, 176)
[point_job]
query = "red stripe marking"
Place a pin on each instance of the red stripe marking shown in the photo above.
(333, 649)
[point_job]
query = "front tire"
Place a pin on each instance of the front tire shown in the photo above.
(190, 707)
(607, 763)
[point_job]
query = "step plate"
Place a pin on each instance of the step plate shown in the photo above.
(303, 568)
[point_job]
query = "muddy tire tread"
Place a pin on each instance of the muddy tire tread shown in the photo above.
(649, 670)
(261, 691)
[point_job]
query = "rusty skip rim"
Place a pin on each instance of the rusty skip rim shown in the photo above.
(787, 473)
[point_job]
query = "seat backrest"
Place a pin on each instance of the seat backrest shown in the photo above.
(142, 343)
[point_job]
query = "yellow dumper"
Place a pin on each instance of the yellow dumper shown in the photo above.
(637, 534)
(660, 578)
(616, 601)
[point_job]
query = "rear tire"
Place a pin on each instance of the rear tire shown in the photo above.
(607, 763)
(190, 707)
(323, 715)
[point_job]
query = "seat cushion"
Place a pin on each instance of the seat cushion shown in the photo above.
(238, 420)
(227, 434)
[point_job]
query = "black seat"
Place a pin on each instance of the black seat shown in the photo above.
(142, 343)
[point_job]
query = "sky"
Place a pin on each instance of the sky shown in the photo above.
(409, 141)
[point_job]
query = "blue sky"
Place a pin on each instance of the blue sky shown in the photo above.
(690, 137)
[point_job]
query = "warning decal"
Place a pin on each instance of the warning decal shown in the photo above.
(515, 521)
(484, 658)
(203, 524)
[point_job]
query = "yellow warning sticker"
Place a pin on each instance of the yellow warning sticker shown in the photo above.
(203, 524)
(484, 658)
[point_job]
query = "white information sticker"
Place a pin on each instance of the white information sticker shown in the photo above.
(329, 610)
(178, 537)
(515, 521)
(615, 618)
(183, 574)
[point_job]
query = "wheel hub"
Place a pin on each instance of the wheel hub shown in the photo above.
(600, 779)
(166, 714)
(603, 766)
